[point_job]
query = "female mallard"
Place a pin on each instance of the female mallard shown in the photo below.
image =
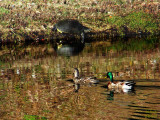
(83, 80)
(125, 85)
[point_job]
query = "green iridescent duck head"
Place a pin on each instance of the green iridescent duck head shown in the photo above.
(110, 76)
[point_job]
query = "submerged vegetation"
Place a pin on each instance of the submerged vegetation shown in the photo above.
(28, 19)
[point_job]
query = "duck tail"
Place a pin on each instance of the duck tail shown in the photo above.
(128, 85)
(94, 80)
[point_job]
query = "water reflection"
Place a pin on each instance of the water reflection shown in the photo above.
(69, 49)
(34, 81)
(110, 95)
(145, 112)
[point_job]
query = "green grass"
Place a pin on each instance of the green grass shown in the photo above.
(28, 18)
(34, 117)
(135, 21)
(142, 21)
(3, 11)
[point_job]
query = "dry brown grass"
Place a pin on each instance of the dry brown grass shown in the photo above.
(34, 19)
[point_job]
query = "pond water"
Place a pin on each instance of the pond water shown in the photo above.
(36, 80)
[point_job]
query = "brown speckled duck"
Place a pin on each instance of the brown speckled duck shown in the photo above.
(83, 80)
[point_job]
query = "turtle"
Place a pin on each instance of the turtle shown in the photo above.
(72, 27)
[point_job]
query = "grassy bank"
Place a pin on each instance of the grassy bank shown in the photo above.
(34, 19)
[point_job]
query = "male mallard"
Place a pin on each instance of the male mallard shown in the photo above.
(125, 85)
(72, 27)
(83, 80)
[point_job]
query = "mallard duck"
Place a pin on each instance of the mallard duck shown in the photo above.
(83, 80)
(124, 85)
(72, 27)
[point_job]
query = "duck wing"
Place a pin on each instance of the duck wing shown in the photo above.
(128, 85)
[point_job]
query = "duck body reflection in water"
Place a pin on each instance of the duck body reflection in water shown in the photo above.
(110, 95)
(119, 86)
